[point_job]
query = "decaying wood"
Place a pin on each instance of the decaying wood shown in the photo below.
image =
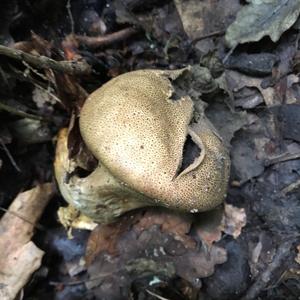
(43, 62)
(266, 276)
(103, 41)
(19, 255)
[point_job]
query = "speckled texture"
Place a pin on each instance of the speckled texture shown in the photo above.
(133, 126)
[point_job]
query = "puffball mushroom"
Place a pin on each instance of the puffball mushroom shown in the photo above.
(142, 129)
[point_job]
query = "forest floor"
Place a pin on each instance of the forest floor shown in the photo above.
(54, 53)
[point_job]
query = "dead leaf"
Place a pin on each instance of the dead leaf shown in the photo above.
(245, 163)
(205, 17)
(104, 238)
(297, 258)
(155, 246)
(234, 220)
(236, 81)
(262, 18)
(292, 93)
(208, 228)
(19, 256)
(256, 252)
(41, 45)
(174, 224)
(226, 121)
(288, 118)
(229, 220)
(71, 93)
(261, 252)
(248, 98)
(253, 146)
(203, 263)
(18, 268)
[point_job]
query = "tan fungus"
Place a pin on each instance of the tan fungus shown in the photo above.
(137, 130)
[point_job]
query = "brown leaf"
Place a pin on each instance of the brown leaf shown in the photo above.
(41, 45)
(173, 224)
(233, 220)
(37, 45)
(71, 93)
(70, 45)
(203, 263)
(159, 246)
(104, 238)
(208, 228)
(19, 256)
(208, 17)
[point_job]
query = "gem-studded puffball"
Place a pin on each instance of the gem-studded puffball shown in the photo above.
(136, 125)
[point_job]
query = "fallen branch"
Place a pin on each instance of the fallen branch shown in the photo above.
(281, 158)
(43, 62)
(106, 40)
(209, 35)
(20, 113)
(265, 277)
(290, 188)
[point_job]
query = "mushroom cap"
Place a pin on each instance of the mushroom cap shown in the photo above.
(136, 127)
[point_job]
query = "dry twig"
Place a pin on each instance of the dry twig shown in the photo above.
(103, 41)
(281, 158)
(209, 35)
(10, 157)
(43, 62)
(265, 277)
(291, 187)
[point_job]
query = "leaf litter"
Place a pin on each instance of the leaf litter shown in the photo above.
(157, 244)
(155, 253)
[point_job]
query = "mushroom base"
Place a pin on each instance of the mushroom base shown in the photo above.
(99, 196)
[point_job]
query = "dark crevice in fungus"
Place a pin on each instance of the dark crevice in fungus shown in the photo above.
(81, 173)
(191, 152)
